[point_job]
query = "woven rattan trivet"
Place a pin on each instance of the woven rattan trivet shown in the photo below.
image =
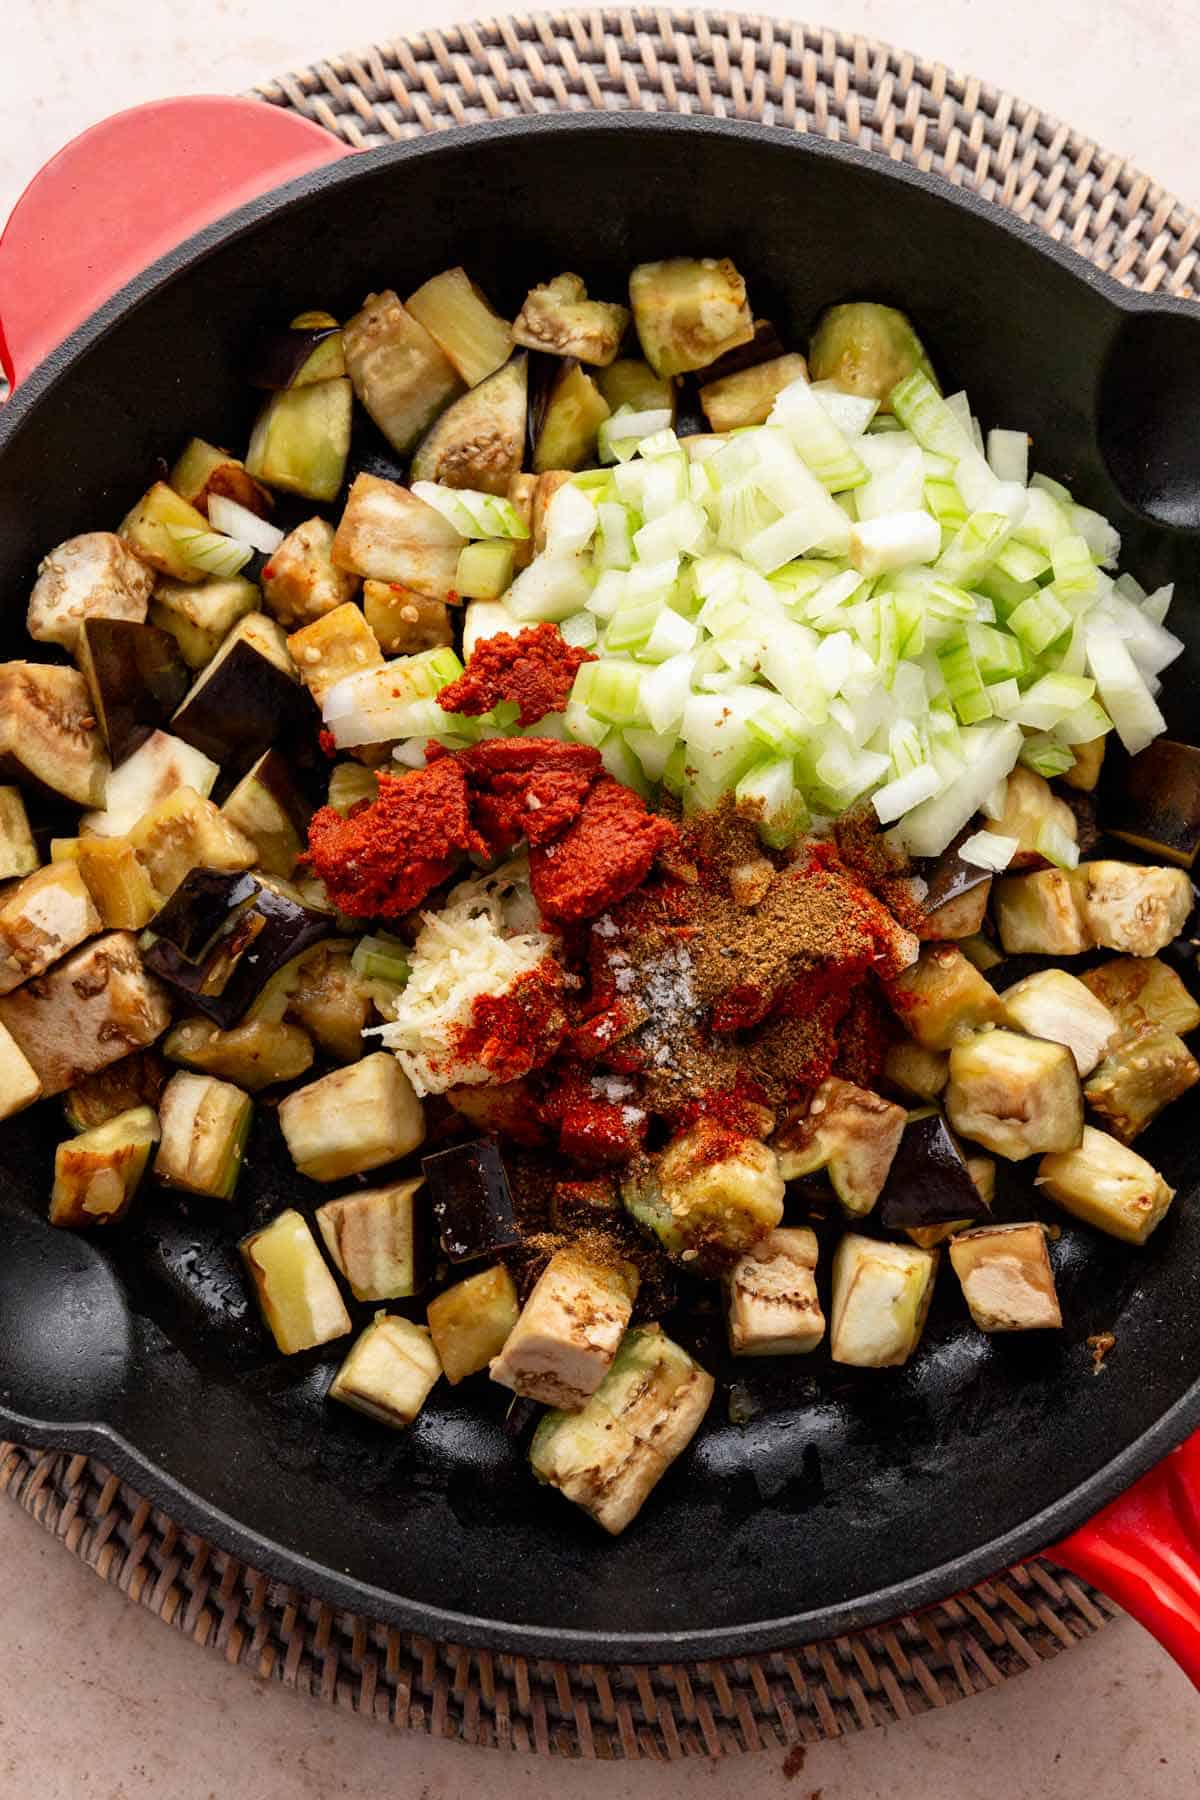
(798, 78)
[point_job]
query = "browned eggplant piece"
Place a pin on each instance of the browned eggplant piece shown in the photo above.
(120, 886)
(309, 350)
(332, 1001)
(221, 937)
(185, 832)
(1007, 1281)
(387, 534)
(200, 617)
(866, 349)
(470, 1321)
(41, 918)
(942, 998)
(632, 382)
(379, 1240)
(403, 621)
(301, 582)
(735, 401)
(340, 643)
(1030, 806)
(150, 528)
(135, 676)
(1154, 802)
(401, 376)
(256, 1054)
(471, 1201)
(136, 1080)
(48, 733)
(89, 1010)
(96, 1174)
(466, 329)
(248, 697)
(1137, 988)
(574, 411)
(204, 471)
(96, 575)
(1089, 760)
(18, 852)
(268, 806)
(20, 1084)
(301, 439)
(558, 317)
(929, 1182)
(765, 346)
(1143, 1072)
(688, 311)
(479, 441)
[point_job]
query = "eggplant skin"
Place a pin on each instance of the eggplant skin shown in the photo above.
(928, 1182)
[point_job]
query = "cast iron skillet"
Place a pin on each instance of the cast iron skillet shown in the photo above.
(848, 1496)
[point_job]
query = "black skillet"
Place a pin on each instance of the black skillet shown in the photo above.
(844, 1497)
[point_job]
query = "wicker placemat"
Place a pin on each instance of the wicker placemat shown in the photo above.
(960, 1648)
(799, 78)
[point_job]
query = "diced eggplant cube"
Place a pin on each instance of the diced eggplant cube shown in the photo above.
(389, 1373)
(41, 918)
(136, 677)
(404, 622)
(298, 1297)
(688, 312)
(1126, 906)
(386, 533)
(49, 738)
(711, 1197)
(200, 616)
(352, 1120)
(1145, 1070)
(746, 397)
(848, 1131)
(1089, 760)
(881, 1295)
(96, 1174)
(943, 998)
(1015, 1095)
(186, 832)
(150, 528)
(1140, 988)
(301, 438)
(89, 1010)
(154, 773)
(339, 643)
(88, 577)
(558, 318)
(301, 582)
(1053, 1004)
(1107, 1185)
(135, 1081)
(1038, 915)
(917, 1071)
(471, 1202)
(400, 375)
(18, 852)
(203, 471)
(470, 1322)
(1030, 806)
(771, 1297)
(221, 937)
(961, 917)
(332, 1001)
(268, 807)
(570, 420)
(379, 1239)
(479, 441)
(204, 1124)
(929, 1182)
(19, 1083)
(256, 1054)
(464, 326)
(565, 1339)
(118, 881)
(608, 1457)
(1006, 1278)
(247, 698)
(982, 1170)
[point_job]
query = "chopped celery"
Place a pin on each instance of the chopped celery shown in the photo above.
(485, 570)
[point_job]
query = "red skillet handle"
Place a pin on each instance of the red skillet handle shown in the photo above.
(126, 192)
(1144, 1552)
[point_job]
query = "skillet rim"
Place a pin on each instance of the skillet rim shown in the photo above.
(100, 1438)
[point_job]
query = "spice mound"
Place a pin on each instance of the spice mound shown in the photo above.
(592, 841)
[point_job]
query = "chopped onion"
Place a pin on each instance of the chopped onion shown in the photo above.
(239, 522)
(988, 850)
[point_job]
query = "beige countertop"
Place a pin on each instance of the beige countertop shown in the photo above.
(98, 1701)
